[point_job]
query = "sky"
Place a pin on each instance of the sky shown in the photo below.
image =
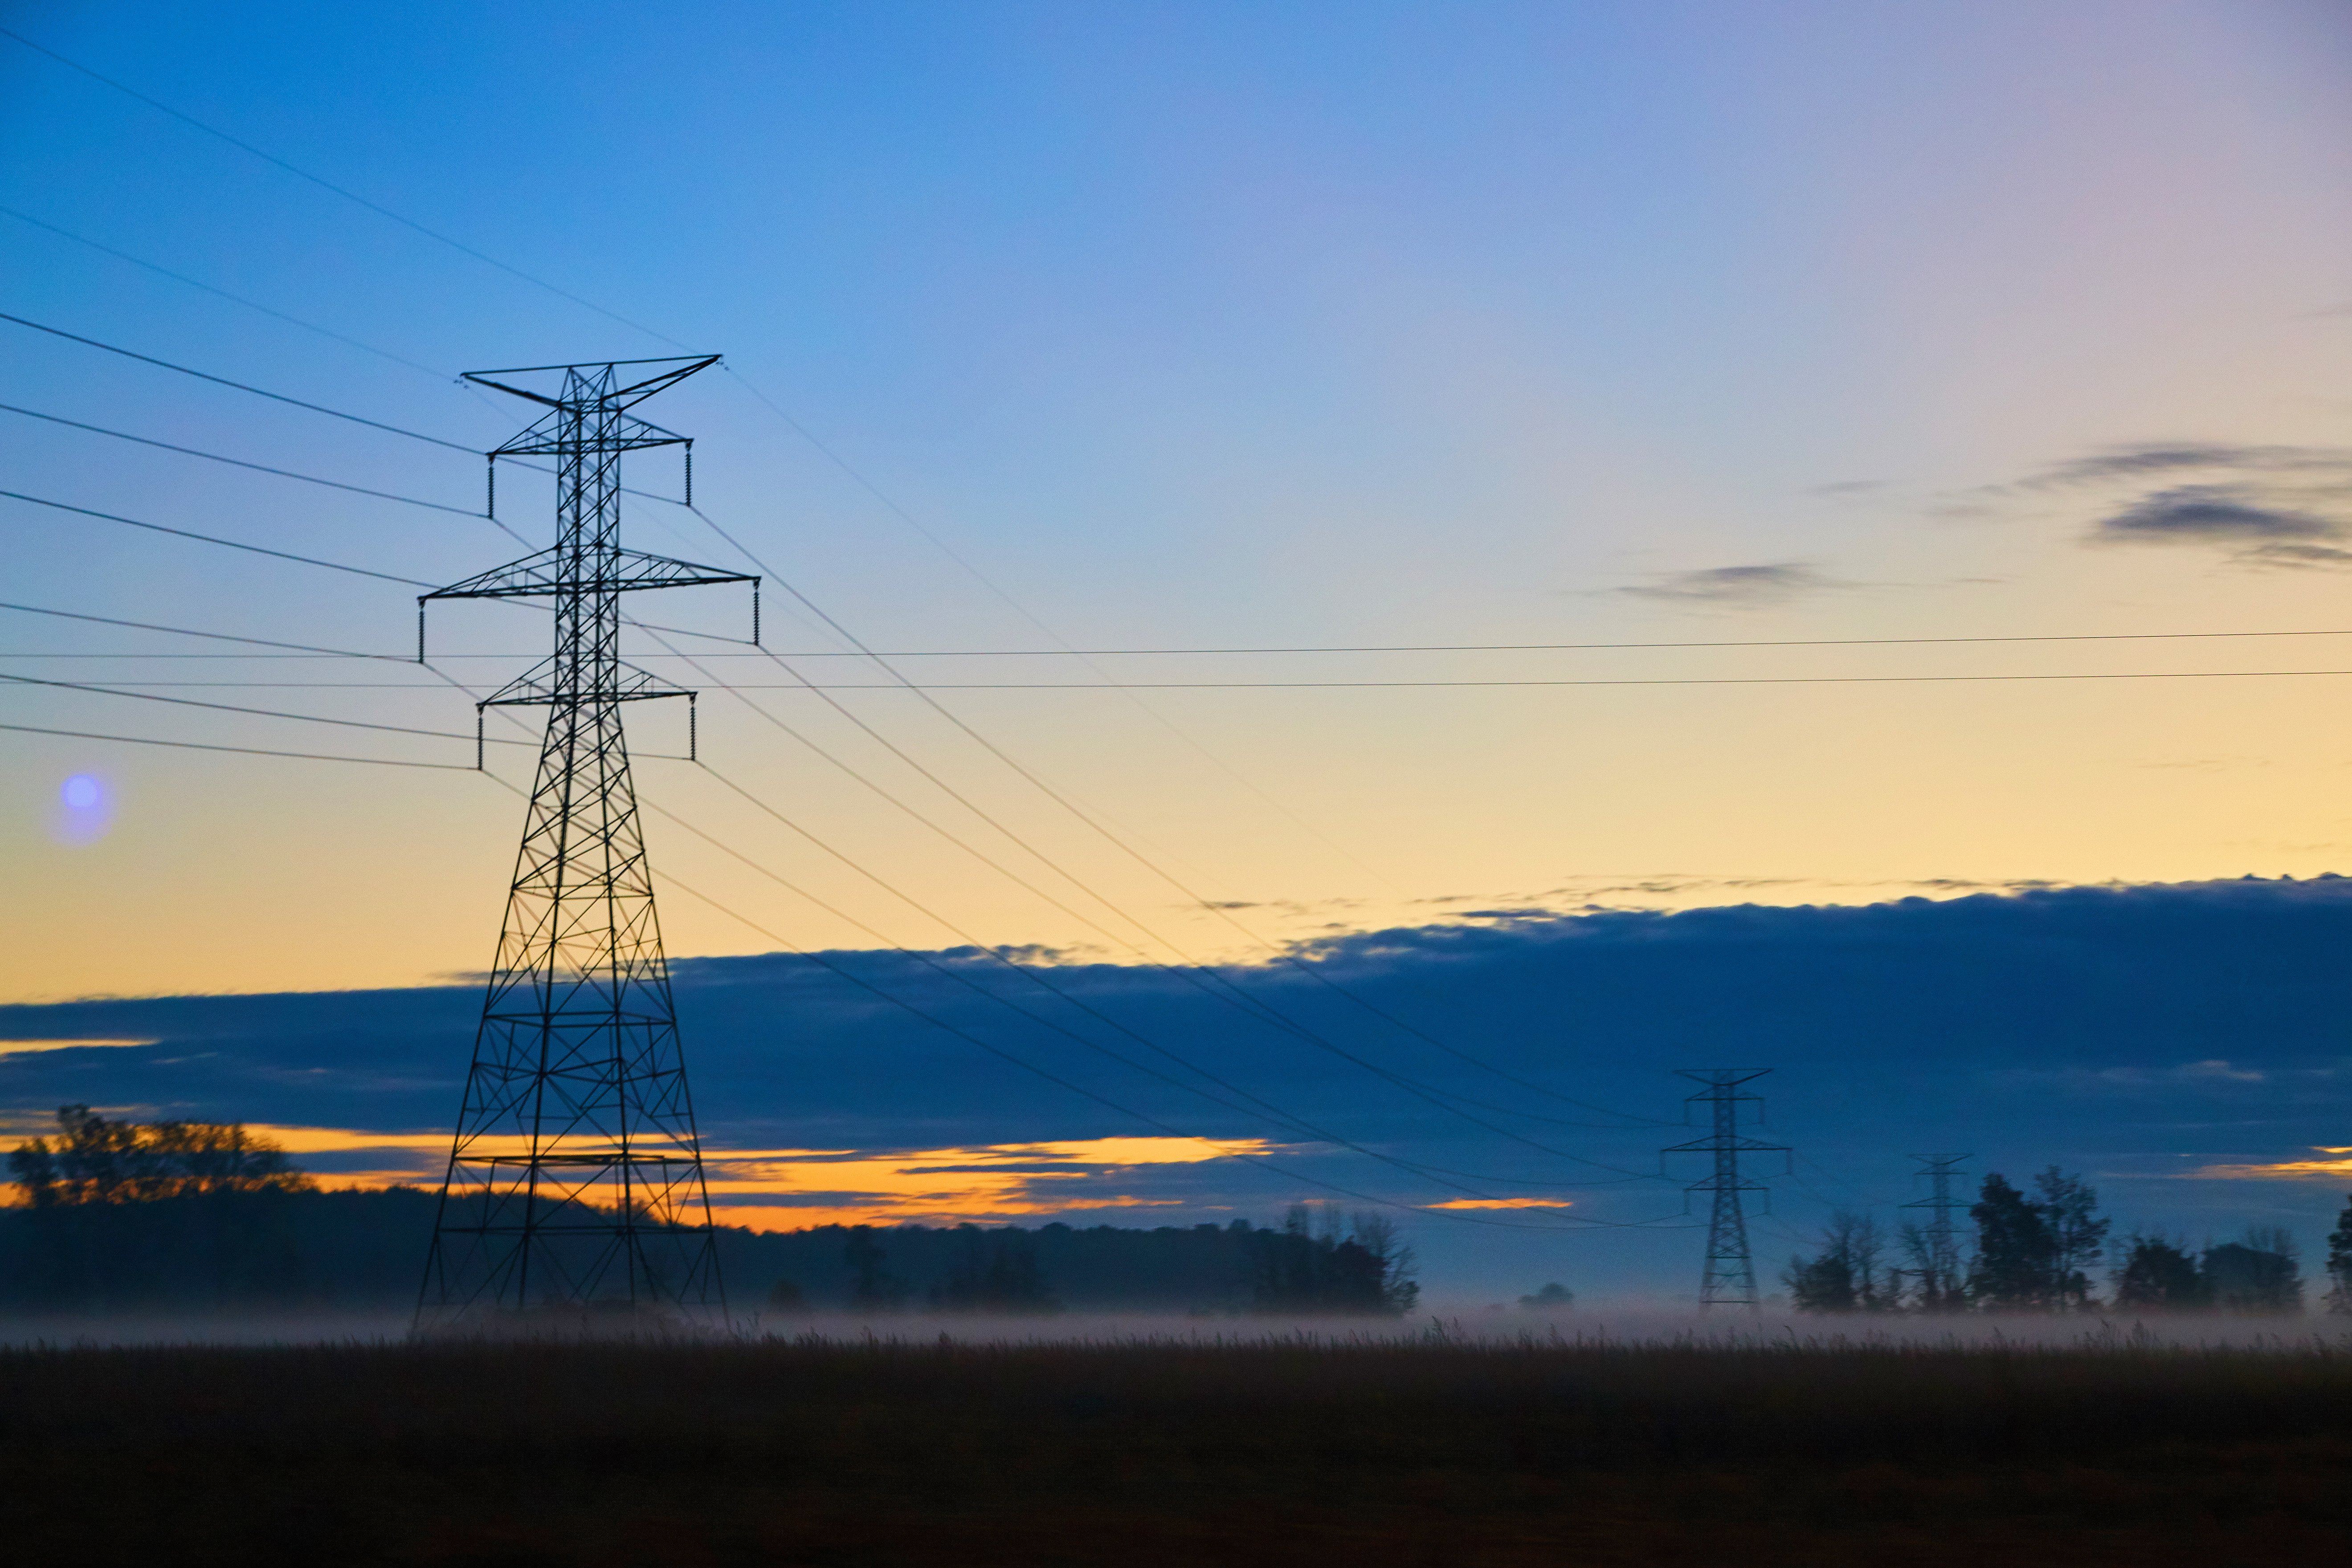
(2182, 1048)
(1056, 327)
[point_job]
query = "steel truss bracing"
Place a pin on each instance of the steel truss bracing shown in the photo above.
(1729, 1277)
(1942, 1285)
(575, 1178)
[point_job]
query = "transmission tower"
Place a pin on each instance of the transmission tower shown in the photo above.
(1729, 1278)
(1941, 1286)
(575, 1179)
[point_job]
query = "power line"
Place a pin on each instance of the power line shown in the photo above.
(1199, 976)
(1533, 646)
(258, 712)
(1423, 1170)
(223, 293)
(239, 385)
(1056, 1078)
(214, 538)
(1265, 1107)
(1440, 684)
(236, 462)
(243, 751)
(298, 172)
(297, 403)
(1371, 684)
(308, 650)
(1249, 1003)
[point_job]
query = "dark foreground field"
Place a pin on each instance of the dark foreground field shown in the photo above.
(1157, 1454)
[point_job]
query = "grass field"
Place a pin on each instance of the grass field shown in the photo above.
(1280, 1450)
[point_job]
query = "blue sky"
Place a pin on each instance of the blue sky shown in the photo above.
(1191, 326)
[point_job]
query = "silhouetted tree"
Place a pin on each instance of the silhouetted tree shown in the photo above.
(2036, 1253)
(2014, 1255)
(1846, 1276)
(872, 1287)
(2160, 1276)
(784, 1296)
(2259, 1274)
(2070, 1213)
(1378, 1235)
(94, 1161)
(996, 1272)
(2339, 1263)
(1333, 1266)
(1938, 1284)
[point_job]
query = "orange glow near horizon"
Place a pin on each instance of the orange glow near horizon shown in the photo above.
(807, 1187)
(2334, 1169)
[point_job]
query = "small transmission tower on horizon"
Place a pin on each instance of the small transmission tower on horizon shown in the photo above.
(1729, 1277)
(575, 1177)
(1942, 1286)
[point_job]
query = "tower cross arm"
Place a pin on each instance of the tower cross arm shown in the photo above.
(677, 370)
(544, 685)
(1710, 1145)
(551, 572)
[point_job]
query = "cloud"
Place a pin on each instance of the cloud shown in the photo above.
(2108, 1028)
(1770, 584)
(2264, 505)
(2212, 514)
(2333, 1168)
(2212, 1072)
(26, 1047)
(780, 1188)
(2141, 460)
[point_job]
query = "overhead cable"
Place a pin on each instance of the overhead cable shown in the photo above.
(213, 538)
(1224, 1151)
(1255, 1004)
(242, 751)
(297, 403)
(239, 385)
(260, 712)
(188, 632)
(302, 174)
(1191, 971)
(1288, 1120)
(223, 293)
(238, 462)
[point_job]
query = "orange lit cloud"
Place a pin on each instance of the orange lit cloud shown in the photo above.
(1503, 1204)
(790, 1189)
(2333, 1169)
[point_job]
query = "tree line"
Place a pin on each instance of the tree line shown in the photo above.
(120, 1215)
(2039, 1249)
(94, 1161)
(1319, 1260)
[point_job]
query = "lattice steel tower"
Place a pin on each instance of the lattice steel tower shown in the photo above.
(575, 1178)
(1942, 1288)
(1729, 1278)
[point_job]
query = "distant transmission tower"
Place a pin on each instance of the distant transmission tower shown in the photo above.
(1941, 1286)
(575, 1179)
(1730, 1278)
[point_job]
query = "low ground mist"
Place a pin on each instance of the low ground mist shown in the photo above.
(1634, 1324)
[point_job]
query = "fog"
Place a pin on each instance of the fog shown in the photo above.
(1628, 1324)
